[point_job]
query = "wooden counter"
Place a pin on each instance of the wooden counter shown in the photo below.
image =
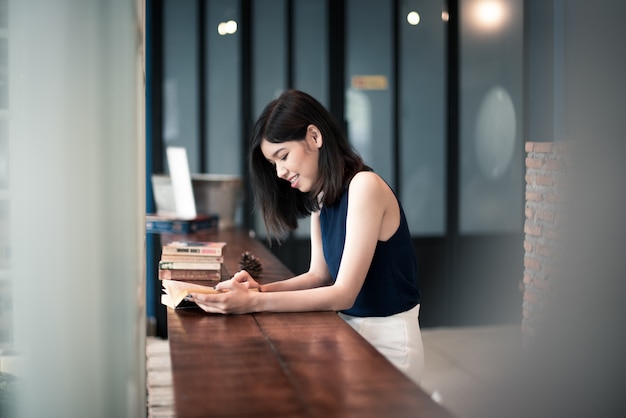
(308, 364)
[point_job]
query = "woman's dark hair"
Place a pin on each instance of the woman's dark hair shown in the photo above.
(286, 119)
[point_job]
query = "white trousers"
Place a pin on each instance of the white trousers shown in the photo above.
(397, 337)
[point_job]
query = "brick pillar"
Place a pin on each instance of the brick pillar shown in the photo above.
(544, 210)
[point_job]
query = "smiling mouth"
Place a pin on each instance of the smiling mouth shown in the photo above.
(294, 180)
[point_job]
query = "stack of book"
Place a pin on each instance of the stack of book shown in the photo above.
(192, 261)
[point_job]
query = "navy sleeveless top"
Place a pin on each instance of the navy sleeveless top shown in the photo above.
(390, 286)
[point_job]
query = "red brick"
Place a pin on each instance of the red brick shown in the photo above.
(543, 250)
(554, 198)
(544, 180)
(532, 263)
(541, 284)
(544, 147)
(534, 196)
(554, 165)
(528, 211)
(528, 146)
(533, 230)
(534, 163)
(528, 247)
(530, 297)
(545, 215)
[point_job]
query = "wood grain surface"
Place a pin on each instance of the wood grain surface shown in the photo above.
(309, 364)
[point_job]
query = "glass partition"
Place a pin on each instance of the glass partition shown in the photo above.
(269, 52)
(269, 61)
(369, 83)
(310, 61)
(421, 116)
(491, 143)
(223, 87)
(180, 75)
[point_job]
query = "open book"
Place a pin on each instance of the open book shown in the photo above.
(175, 292)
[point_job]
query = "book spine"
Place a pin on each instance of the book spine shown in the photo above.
(211, 275)
(176, 265)
(204, 225)
(175, 226)
(156, 227)
(192, 258)
(191, 250)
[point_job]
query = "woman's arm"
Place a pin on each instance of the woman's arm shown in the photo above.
(318, 271)
(368, 202)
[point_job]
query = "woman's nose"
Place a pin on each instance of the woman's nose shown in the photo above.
(281, 171)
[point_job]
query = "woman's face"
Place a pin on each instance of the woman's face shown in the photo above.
(296, 161)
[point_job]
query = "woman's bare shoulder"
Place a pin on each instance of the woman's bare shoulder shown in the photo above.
(368, 183)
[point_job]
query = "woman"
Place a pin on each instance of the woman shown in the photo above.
(362, 260)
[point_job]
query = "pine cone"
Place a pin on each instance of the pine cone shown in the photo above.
(250, 263)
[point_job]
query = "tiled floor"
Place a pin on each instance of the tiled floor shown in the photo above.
(462, 367)
(159, 379)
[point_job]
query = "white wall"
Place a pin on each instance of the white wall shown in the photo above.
(77, 195)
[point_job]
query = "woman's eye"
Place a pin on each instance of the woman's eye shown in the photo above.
(284, 157)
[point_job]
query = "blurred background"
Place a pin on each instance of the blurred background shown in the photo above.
(439, 96)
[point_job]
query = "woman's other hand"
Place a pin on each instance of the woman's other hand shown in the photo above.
(242, 277)
(234, 298)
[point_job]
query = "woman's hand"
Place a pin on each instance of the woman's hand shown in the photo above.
(234, 298)
(242, 277)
